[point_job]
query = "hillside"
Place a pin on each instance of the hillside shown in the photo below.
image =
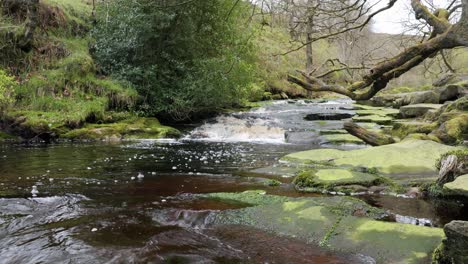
(59, 87)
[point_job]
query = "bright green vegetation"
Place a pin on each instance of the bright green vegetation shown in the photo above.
(331, 222)
(7, 84)
(326, 179)
(59, 85)
(342, 138)
(183, 61)
(409, 156)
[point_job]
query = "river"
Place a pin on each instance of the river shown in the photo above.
(91, 206)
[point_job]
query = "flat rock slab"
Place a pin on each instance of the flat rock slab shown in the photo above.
(412, 156)
(341, 139)
(380, 112)
(459, 186)
(378, 119)
(417, 110)
(339, 177)
(331, 222)
(328, 116)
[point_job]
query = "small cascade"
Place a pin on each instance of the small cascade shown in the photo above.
(275, 123)
(235, 129)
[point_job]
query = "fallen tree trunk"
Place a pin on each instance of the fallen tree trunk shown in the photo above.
(371, 138)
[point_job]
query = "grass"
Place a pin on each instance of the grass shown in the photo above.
(60, 89)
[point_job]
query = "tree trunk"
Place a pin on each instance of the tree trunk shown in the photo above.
(450, 168)
(371, 138)
(309, 53)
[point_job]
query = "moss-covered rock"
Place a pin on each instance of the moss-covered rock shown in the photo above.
(133, 128)
(341, 139)
(333, 222)
(458, 187)
(417, 110)
(453, 249)
(381, 120)
(408, 157)
(332, 179)
(378, 111)
(402, 128)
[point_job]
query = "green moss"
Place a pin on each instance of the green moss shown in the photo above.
(329, 221)
(251, 197)
(272, 182)
(327, 179)
(133, 128)
(342, 138)
(333, 132)
(408, 156)
(457, 128)
(379, 112)
(406, 89)
(403, 129)
(458, 187)
(5, 136)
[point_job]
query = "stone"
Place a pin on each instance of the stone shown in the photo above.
(341, 139)
(341, 223)
(408, 157)
(454, 249)
(458, 187)
(417, 110)
(327, 116)
(381, 120)
(328, 178)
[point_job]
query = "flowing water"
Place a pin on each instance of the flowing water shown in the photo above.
(91, 206)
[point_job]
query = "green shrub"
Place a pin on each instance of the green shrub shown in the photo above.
(184, 59)
(7, 86)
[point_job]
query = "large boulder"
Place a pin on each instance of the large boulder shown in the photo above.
(458, 187)
(434, 96)
(454, 249)
(417, 110)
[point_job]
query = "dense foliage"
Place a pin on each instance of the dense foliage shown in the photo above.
(184, 60)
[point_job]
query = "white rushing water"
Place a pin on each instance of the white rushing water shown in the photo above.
(276, 122)
(234, 129)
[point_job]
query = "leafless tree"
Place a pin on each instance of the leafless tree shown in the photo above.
(445, 33)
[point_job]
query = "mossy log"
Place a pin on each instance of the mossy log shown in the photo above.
(371, 138)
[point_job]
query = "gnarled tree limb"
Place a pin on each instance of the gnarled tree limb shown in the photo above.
(444, 36)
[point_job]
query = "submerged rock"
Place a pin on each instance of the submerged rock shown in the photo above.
(407, 157)
(328, 116)
(332, 222)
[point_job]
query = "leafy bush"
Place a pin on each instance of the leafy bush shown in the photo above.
(184, 59)
(7, 84)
